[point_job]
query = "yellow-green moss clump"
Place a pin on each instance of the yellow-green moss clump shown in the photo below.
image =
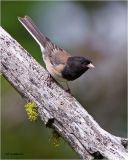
(31, 110)
(55, 139)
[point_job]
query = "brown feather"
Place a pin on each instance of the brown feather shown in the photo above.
(58, 57)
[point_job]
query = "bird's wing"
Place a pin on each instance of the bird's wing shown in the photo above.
(58, 57)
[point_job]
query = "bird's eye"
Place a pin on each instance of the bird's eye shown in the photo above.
(84, 64)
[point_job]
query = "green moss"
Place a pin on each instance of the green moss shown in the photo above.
(31, 110)
(55, 139)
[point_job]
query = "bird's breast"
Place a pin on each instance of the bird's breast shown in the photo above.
(55, 71)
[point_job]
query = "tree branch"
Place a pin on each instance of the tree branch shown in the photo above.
(57, 107)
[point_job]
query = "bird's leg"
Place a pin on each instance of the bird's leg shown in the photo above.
(68, 89)
(49, 80)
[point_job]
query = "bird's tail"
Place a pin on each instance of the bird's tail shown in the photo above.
(27, 22)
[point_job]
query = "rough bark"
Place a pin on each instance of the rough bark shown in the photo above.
(57, 108)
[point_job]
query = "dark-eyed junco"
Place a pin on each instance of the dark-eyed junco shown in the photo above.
(60, 64)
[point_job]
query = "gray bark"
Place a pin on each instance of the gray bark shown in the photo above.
(57, 108)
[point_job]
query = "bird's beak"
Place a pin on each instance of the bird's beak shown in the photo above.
(90, 65)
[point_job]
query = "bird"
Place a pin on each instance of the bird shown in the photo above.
(61, 65)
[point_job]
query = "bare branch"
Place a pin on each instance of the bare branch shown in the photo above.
(56, 107)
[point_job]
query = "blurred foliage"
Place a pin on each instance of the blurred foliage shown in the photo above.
(93, 29)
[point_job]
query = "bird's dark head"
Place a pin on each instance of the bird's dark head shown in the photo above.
(76, 66)
(80, 62)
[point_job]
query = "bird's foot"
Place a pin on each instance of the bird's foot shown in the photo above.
(49, 80)
(68, 90)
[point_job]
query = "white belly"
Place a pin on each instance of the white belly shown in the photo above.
(56, 75)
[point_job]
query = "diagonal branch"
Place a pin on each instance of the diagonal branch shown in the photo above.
(56, 107)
